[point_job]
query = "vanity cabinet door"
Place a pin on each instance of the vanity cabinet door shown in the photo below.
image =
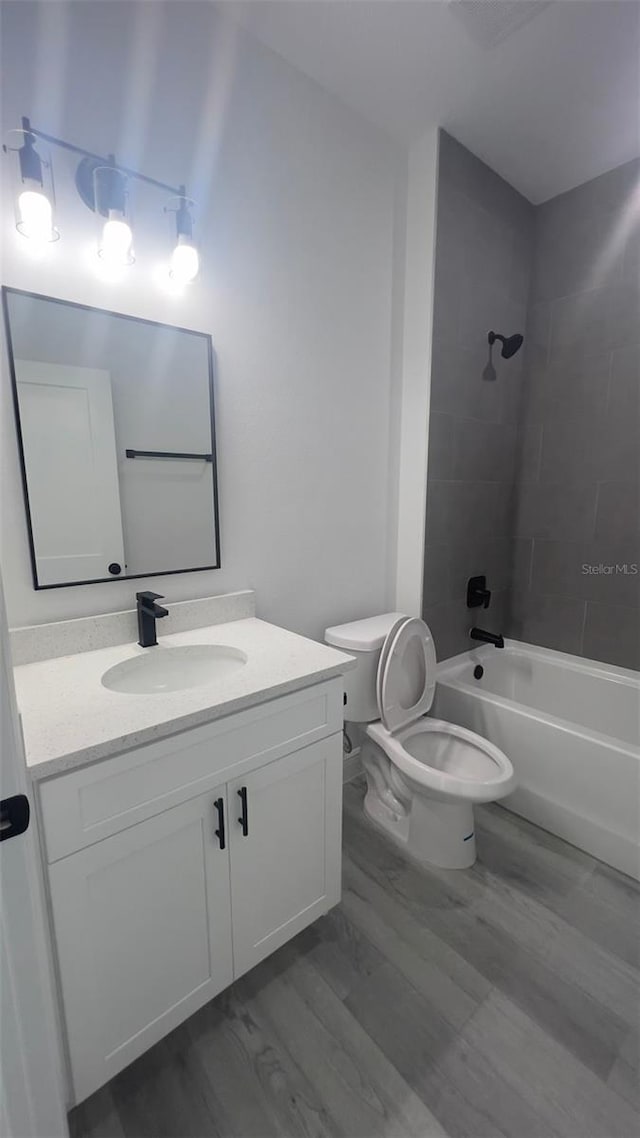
(285, 829)
(143, 931)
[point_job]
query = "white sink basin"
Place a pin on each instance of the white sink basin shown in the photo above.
(162, 669)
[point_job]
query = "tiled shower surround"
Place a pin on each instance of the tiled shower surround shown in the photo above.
(534, 475)
(482, 278)
(577, 523)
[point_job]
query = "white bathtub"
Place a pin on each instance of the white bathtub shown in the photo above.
(571, 728)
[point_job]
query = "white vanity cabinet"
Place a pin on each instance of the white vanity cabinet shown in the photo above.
(175, 868)
(283, 872)
(143, 933)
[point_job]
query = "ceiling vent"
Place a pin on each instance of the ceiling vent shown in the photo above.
(490, 22)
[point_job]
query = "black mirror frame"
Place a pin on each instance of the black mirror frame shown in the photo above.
(7, 291)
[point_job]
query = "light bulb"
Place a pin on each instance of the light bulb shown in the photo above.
(36, 216)
(184, 261)
(115, 247)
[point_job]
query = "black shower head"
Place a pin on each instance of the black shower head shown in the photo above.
(510, 344)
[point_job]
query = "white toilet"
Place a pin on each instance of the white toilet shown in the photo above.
(423, 775)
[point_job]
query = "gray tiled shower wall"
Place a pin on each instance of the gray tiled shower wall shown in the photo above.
(484, 249)
(577, 522)
(534, 475)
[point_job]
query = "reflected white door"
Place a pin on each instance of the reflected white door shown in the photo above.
(31, 1101)
(66, 418)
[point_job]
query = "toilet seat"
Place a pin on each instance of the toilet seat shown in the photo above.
(406, 679)
(445, 759)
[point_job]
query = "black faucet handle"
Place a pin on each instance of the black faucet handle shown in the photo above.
(147, 595)
(477, 592)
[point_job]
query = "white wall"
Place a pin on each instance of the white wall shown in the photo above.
(298, 201)
(415, 382)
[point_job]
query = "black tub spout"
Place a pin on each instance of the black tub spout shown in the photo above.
(487, 637)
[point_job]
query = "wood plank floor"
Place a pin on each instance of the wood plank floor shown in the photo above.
(496, 1002)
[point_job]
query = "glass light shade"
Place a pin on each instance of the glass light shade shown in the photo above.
(34, 200)
(35, 215)
(116, 241)
(185, 262)
(111, 205)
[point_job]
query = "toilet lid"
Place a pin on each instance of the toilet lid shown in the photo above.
(406, 679)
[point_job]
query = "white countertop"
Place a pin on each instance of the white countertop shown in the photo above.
(69, 718)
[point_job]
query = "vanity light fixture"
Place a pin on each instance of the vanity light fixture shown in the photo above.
(35, 197)
(103, 185)
(185, 262)
(110, 199)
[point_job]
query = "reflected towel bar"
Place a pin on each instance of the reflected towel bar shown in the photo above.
(168, 454)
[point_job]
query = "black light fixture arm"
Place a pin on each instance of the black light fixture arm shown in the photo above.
(179, 191)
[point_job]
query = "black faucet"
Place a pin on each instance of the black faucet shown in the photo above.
(487, 637)
(148, 613)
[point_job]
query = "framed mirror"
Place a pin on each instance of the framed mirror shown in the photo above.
(116, 435)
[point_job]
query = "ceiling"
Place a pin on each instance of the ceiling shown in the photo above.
(552, 105)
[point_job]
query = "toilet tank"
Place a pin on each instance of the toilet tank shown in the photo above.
(362, 639)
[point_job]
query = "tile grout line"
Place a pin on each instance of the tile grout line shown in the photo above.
(584, 628)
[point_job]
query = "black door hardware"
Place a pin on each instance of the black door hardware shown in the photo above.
(478, 593)
(115, 569)
(244, 818)
(220, 834)
(14, 816)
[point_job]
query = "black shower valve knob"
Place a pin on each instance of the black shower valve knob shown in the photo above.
(478, 595)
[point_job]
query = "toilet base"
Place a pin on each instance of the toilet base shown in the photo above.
(430, 830)
(442, 833)
(449, 841)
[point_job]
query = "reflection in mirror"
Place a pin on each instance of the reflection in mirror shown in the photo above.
(115, 422)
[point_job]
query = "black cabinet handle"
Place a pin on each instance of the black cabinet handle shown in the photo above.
(244, 818)
(14, 816)
(220, 834)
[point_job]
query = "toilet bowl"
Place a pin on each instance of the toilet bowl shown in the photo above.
(423, 775)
